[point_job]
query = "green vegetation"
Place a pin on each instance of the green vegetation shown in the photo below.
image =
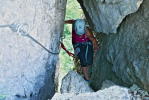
(2, 97)
(73, 11)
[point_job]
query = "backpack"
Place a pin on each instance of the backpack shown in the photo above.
(79, 27)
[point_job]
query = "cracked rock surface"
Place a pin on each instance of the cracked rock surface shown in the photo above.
(106, 15)
(27, 70)
(123, 57)
(74, 83)
(112, 93)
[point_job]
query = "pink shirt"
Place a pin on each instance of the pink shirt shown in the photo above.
(77, 38)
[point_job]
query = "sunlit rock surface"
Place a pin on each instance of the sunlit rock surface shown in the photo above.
(112, 93)
(74, 83)
(123, 57)
(106, 15)
(27, 70)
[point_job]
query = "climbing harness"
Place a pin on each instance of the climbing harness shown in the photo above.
(83, 43)
(20, 28)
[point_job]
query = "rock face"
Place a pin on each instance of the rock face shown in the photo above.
(27, 70)
(123, 57)
(107, 84)
(74, 83)
(112, 93)
(106, 15)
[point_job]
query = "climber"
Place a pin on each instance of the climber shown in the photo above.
(83, 42)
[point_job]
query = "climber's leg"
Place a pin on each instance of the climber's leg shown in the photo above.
(85, 73)
(86, 58)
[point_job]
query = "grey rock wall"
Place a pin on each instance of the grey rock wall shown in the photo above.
(112, 93)
(106, 15)
(74, 83)
(26, 70)
(124, 56)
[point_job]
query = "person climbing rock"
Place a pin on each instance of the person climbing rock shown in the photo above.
(84, 44)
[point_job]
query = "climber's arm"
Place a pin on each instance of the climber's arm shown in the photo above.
(69, 21)
(69, 53)
(92, 38)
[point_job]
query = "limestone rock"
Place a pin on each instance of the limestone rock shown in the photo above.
(124, 57)
(112, 93)
(74, 83)
(106, 15)
(27, 70)
(107, 84)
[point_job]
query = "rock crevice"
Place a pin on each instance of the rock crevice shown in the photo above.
(123, 57)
